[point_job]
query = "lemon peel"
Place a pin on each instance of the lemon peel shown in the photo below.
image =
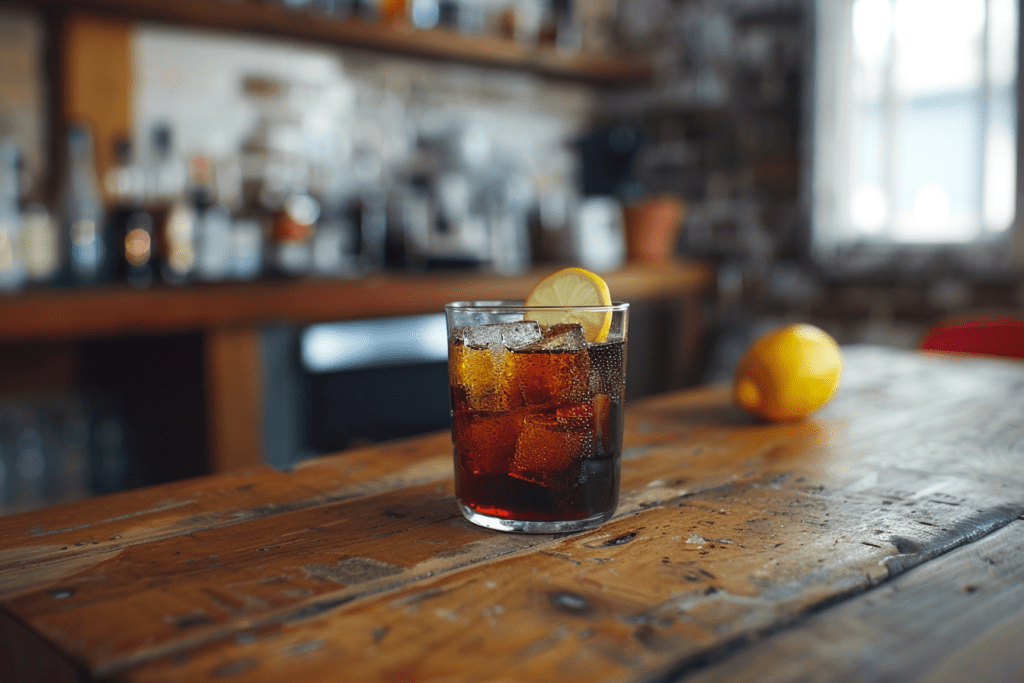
(572, 287)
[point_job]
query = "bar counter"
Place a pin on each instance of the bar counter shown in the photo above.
(230, 315)
(879, 540)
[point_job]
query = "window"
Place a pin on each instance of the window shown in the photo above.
(915, 133)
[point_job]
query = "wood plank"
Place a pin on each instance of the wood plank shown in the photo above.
(623, 603)
(53, 544)
(316, 572)
(234, 398)
(273, 20)
(958, 618)
(49, 314)
(729, 529)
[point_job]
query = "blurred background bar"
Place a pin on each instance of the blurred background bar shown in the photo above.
(228, 227)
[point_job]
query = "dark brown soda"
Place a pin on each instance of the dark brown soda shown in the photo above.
(548, 448)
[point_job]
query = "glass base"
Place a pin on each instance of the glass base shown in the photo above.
(534, 527)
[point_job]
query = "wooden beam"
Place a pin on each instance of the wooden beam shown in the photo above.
(234, 398)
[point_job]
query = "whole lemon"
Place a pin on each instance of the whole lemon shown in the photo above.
(788, 373)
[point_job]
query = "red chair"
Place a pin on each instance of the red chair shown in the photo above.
(989, 335)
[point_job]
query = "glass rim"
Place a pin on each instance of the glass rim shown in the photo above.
(519, 305)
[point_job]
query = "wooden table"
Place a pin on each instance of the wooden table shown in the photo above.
(881, 540)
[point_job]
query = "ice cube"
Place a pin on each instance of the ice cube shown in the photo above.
(510, 335)
(550, 451)
(485, 442)
(483, 376)
(561, 337)
(551, 377)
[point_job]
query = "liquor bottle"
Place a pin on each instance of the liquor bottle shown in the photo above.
(392, 12)
(334, 248)
(366, 215)
(82, 215)
(40, 236)
(12, 268)
(131, 226)
(213, 222)
(174, 217)
(40, 242)
(291, 235)
(248, 226)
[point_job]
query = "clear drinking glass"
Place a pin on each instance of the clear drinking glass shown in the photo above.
(536, 415)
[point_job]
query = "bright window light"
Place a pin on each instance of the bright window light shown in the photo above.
(915, 133)
(360, 344)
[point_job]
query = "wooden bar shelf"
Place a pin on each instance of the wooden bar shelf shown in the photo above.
(257, 18)
(118, 309)
(228, 317)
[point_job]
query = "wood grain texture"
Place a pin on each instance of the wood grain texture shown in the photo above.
(958, 618)
(730, 533)
(123, 310)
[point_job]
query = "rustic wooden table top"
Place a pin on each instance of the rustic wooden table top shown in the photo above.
(880, 540)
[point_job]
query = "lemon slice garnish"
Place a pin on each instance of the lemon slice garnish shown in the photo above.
(572, 287)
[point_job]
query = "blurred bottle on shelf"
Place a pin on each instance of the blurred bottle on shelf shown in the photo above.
(558, 26)
(522, 21)
(334, 241)
(12, 267)
(392, 12)
(471, 18)
(597, 25)
(82, 217)
(247, 224)
(368, 215)
(40, 242)
(508, 201)
(411, 217)
(367, 10)
(292, 233)
(332, 7)
(130, 225)
(424, 14)
(448, 14)
(213, 226)
(173, 215)
(334, 244)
